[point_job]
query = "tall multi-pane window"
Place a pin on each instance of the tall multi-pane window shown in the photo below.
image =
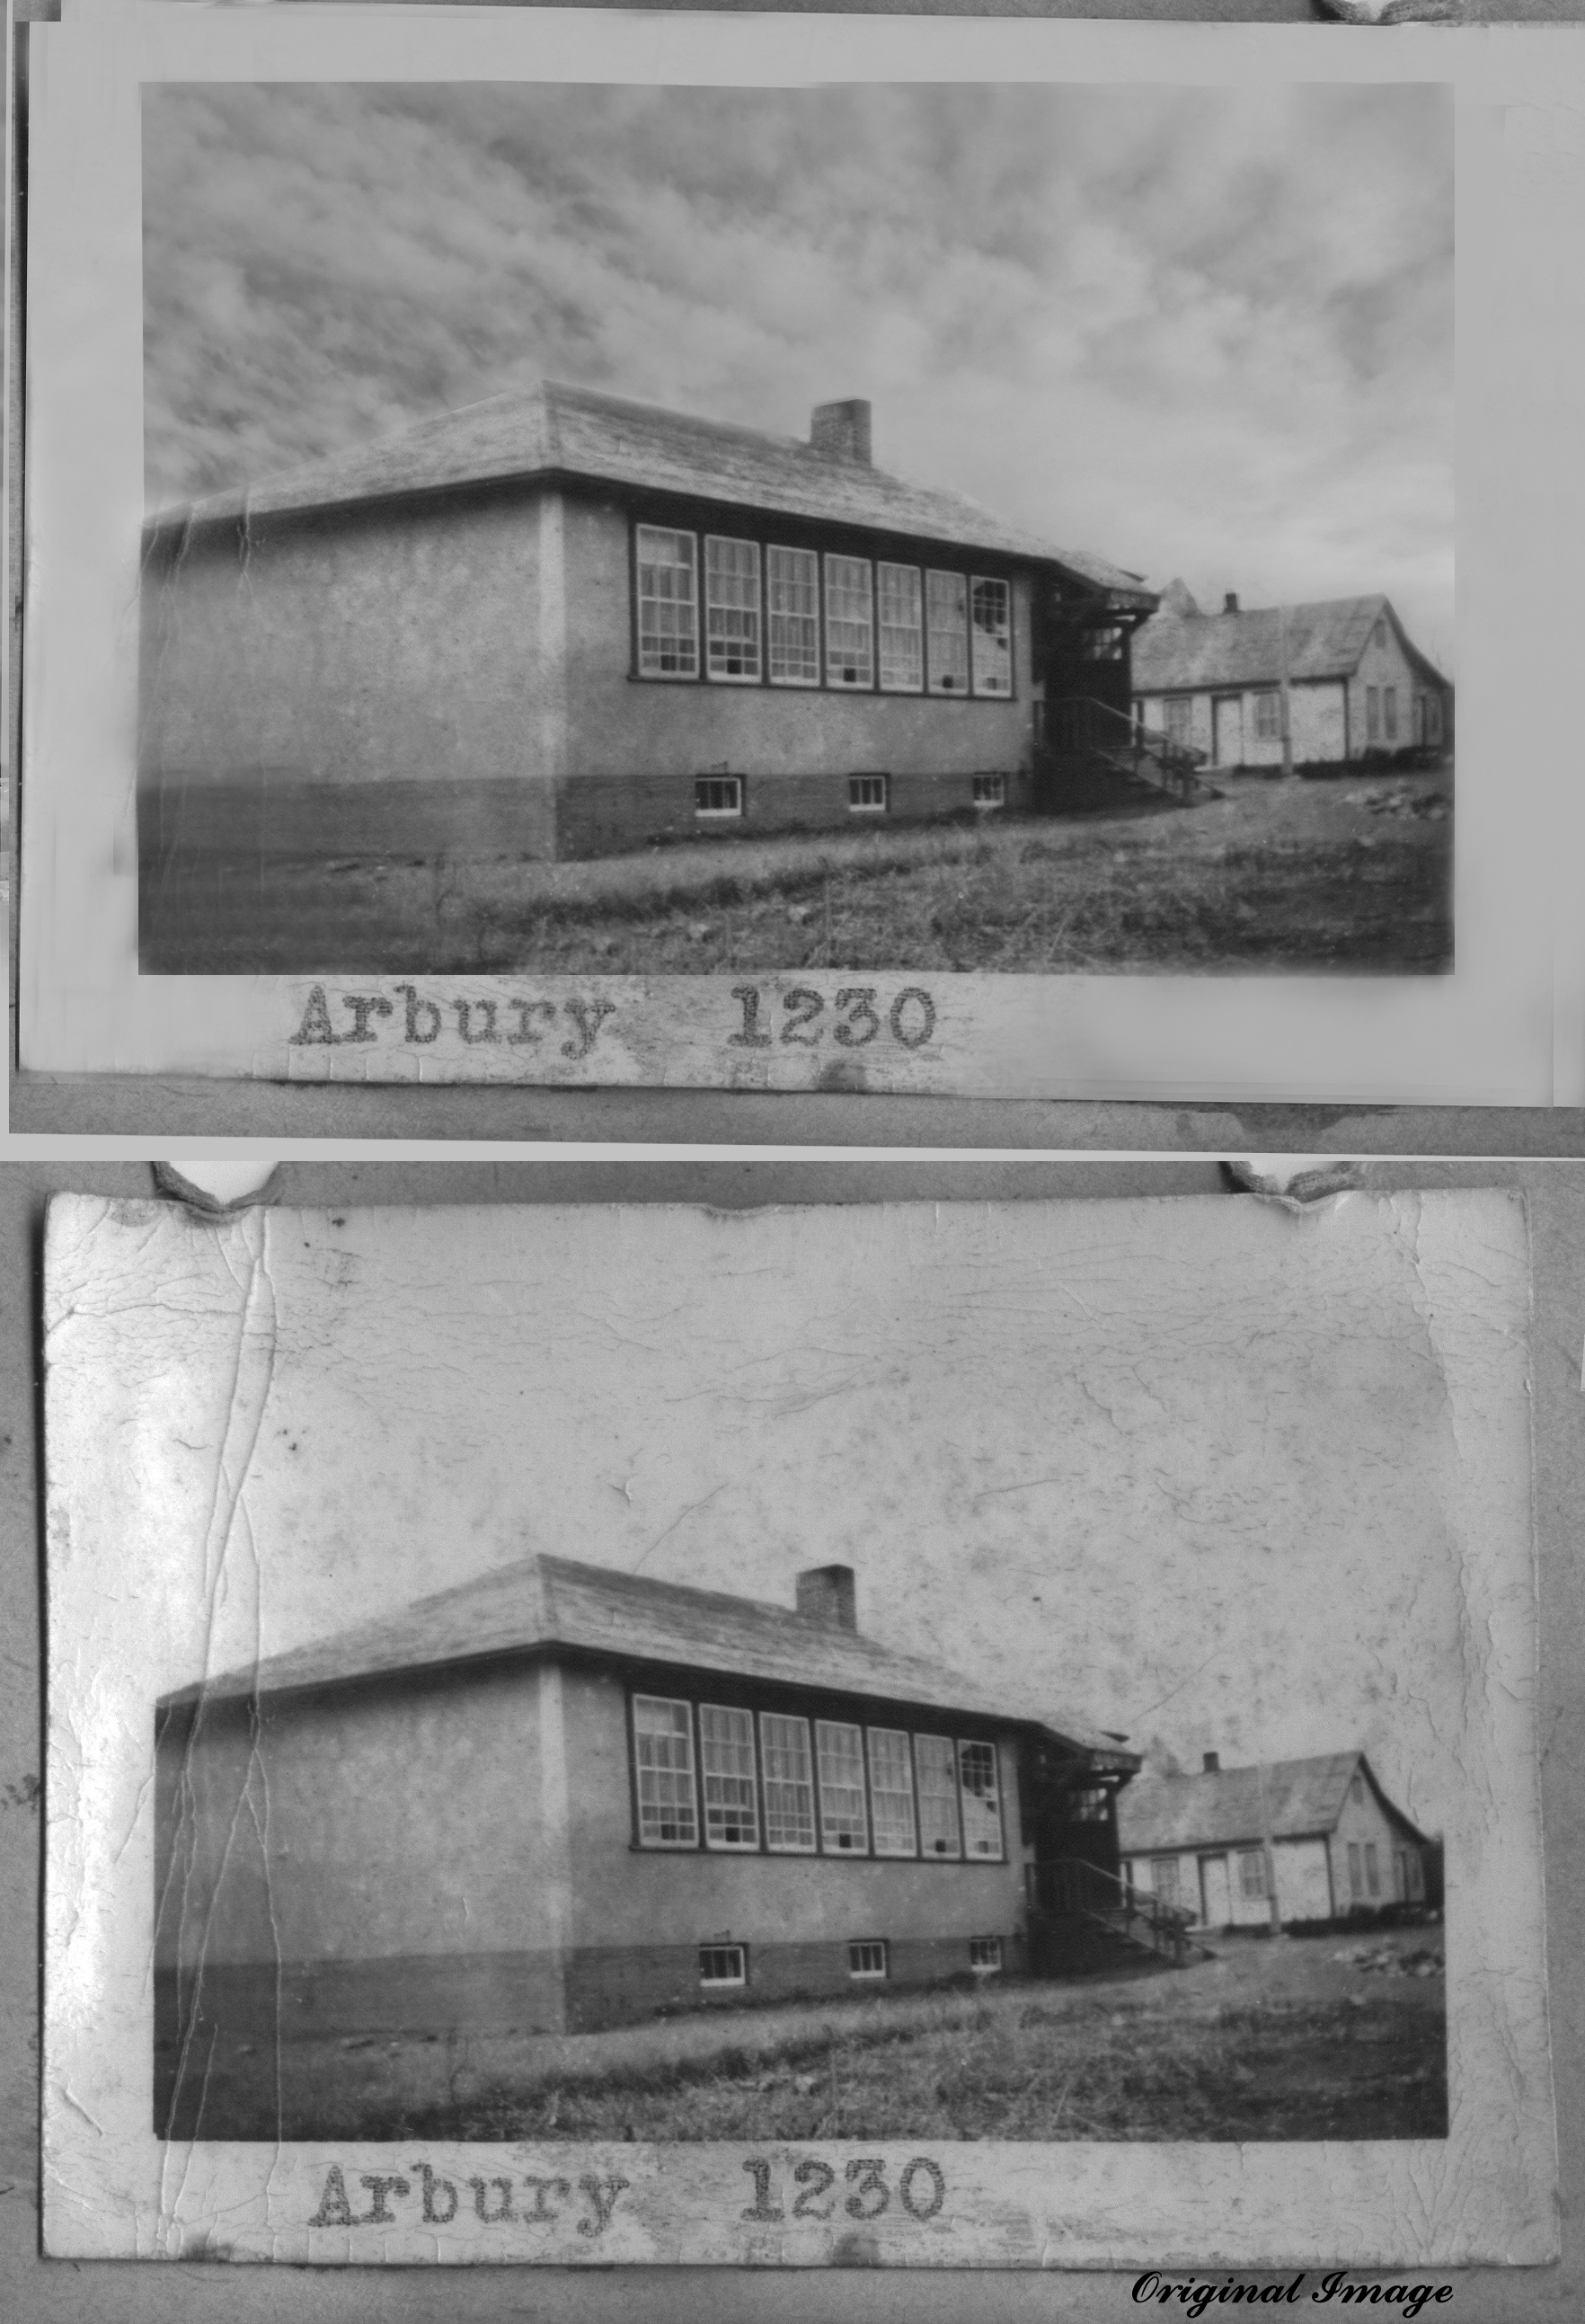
(982, 1801)
(902, 644)
(850, 623)
(1252, 1872)
(936, 1769)
(843, 1825)
(1372, 1869)
(789, 1784)
(1267, 718)
(1164, 1878)
(726, 1761)
(946, 603)
(668, 610)
(892, 1793)
(792, 580)
(663, 1749)
(1389, 711)
(732, 610)
(1373, 713)
(1356, 1870)
(993, 637)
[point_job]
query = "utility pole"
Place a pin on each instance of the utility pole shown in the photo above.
(1269, 1852)
(1287, 704)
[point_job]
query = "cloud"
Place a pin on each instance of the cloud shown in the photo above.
(1205, 330)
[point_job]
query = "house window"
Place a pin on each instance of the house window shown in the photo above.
(985, 1955)
(902, 642)
(723, 1965)
(1179, 710)
(1373, 713)
(1415, 1876)
(868, 1958)
(936, 1768)
(1268, 717)
(1379, 635)
(1432, 718)
(1252, 1872)
(731, 610)
(789, 1784)
(1164, 1878)
(843, 1824)
(849, 620)
(727, 1760)
(792, 577)
(867, 793)
(946, 602)
(1389, 711)
(1357, 1790)
(668, 613)
(1356, 1870)
(718, 795)
(1372, 1869)
(892, 1793)
(1102, 645)
(982, 1801)
(990, 790)
(663, 1751)
(993, 641)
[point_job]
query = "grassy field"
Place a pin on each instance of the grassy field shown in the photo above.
(1291, 2040)
(1334, 875)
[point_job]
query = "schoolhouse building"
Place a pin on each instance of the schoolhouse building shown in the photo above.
(1356, 683)
(558, 623)
(1323, 1829)
(558, 1798)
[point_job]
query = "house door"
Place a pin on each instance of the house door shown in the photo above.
(1227, 729)
(1216, 1901)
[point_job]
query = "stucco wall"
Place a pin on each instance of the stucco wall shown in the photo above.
(360, 680)
(640, 1917)
(796, 747)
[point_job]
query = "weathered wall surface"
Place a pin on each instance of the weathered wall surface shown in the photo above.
(1364, 1823)
(1316, 711)
(1383, 664)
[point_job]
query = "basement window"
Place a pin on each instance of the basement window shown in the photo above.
(669, 612)
(1252, 1873)
(850, 623)
(731, 610)
(993, 641)
(727, 1760)
(936, 1766)
(663, 1751)
(718, 795)
(985, 1955)
(843, 1824)
(866, 1959)
(946, 602)
(990, 790)
(723, 1965)
(982, 1801)
(866, 794)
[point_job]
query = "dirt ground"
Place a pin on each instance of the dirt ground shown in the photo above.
(1292, 2039)
(1341, 874)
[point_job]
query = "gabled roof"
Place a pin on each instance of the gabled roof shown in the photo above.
(1181, 652)
(554, 431)
(1223, 1807)
(546, 1603)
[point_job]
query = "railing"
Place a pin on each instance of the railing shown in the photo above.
(1081, 723)
(1067, 1888)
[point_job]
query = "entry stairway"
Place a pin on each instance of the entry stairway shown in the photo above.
(1081, 1916)
(1095, 734)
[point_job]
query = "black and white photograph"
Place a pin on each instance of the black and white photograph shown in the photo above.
(946, 1684)
(665, 531)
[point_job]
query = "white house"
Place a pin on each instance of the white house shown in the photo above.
(1337, 1844)
(1355, 682)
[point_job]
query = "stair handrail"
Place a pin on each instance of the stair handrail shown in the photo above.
(1144, 741)
(1111, 1893)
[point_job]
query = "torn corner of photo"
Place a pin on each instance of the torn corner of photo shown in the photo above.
(904, 1734)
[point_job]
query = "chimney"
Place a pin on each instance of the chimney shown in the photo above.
(842, 430)
(826, 1594)
(1230, 603)
(1212, 1763)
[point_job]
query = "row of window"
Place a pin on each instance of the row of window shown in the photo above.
(1381, 715)
(1165, 1882)
(1364, 1872)
(809, 1787)
(869, 1961)
(793, 617)
(720, 798)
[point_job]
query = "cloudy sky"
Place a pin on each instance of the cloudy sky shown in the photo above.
(1201, 332)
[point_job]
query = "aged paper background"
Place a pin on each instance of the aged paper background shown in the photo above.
(1490, 1034)
(461, 1385)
